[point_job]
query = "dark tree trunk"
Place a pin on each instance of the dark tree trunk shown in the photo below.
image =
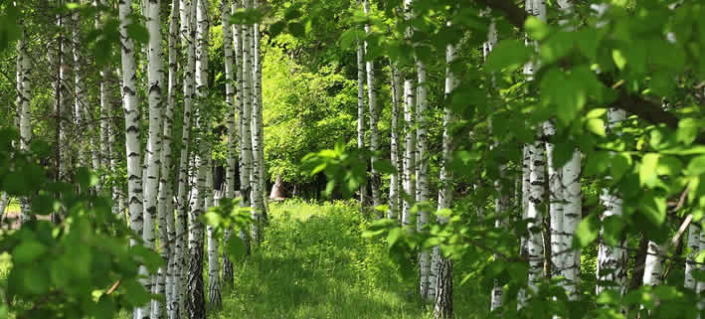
(443, 308)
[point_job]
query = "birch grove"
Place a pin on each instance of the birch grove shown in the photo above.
(426, 158)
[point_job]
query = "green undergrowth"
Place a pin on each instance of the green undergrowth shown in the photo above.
(314, 263)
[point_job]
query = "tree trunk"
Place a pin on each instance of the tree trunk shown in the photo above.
(361, 113)
(24, 98)
(611, 261)
(153, 150)
(187, 43)
(215, 301)
(395, 182)
(167, 231)
(257, 142)
(690, 264)
(443, 305)
(440, 289)
(230, 93)
(374, 114)
(132, 128)
(245, 119)
(195, 306)
(410, 135)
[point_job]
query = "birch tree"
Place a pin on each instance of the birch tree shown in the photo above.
(167, 230)
(410, 136)
(257, 137)
(230, 93)
(153, 151)
(374, 113)
(440, 278)
(215, 300)
(188, 46)
(132, 129)
(502, 204)
(611, 260)
(395, 184)
(195, 306)
(25, 114)
(361, 110)
(421, 169)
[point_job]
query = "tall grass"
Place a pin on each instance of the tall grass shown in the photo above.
(314, 263)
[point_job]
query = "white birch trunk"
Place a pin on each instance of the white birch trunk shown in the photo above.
(153, 150)
(230, 92)
(374, 114)
(694, 248)
(167, 231)
(79, 93)
(257, 141)
(611, 261)
(421, 168)
(244, 111)
(25, 113)
(437, 282)
(361, 113)
(502, 204)
(132, 129)
(410, 137)
(196, 303)
(187, 44)
(653, 265)
(535, 214)
(396, 150)
(215, 300)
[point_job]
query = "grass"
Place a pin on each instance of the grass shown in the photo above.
(315, 264)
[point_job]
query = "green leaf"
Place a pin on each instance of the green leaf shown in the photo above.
(509, 55)
(654, 208)
(28, 251)
(619, 60)
(135, 294)
(596, 126)
(687, 130)
(536, 28)
(384, 166)
(297, 29)
(587, 231)
(696, 166)
(647, 169)
(138, 32)
(236, 248)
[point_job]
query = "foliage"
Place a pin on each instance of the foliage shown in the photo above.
(82, 266)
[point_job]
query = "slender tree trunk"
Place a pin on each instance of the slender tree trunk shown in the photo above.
(132, 128)
(167, 231)
(187, 44)
(244, 113)
(535, 215)
(153, 150)
(396, 151)
(361, 113)
(106, 156)
(257, 141)
(230, 122)
(611, 261)
(502, 201)
(215, 301)
(409, 154)
(653, 266)
(25, 113)
(410, 136)
(79, 93)
(422, 191)
(690, 264)
(441, 279)
(195, 307)
(374, 115)
(443, 304)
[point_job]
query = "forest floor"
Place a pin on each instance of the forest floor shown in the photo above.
(314, 263)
